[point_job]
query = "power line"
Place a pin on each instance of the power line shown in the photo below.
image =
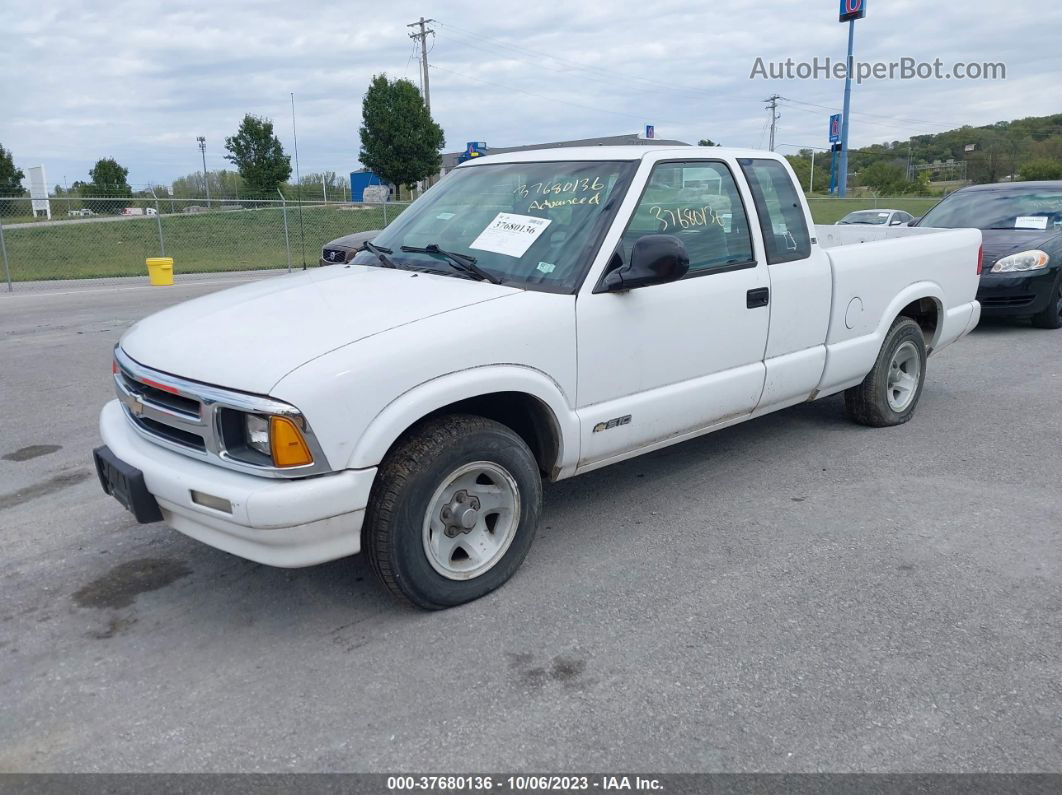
(509, 47)
(872, 115)
(508, 87)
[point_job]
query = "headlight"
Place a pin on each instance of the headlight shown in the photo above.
(256, 428)
(1025, 261)
(279, 438)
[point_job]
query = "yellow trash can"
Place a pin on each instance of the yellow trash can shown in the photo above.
(160, 271)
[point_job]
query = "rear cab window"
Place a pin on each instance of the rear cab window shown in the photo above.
(782, 219)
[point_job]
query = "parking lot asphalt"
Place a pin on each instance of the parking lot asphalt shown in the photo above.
(797, 593)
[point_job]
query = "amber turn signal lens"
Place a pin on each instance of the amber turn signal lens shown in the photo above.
(288, 447)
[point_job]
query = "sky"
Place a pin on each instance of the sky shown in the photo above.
(139, 81)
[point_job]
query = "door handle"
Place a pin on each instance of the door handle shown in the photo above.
(761, 296)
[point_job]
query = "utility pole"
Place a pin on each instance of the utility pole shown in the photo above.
(206, 179)
(772, 106)
(422, 38)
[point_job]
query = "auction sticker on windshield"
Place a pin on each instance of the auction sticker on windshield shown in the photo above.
(510, 234)
(1031, 222)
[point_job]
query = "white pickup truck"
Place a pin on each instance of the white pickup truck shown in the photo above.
(534, 316)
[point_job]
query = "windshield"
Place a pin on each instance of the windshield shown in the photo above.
(527, 224)
(998, 209)
(866, 217)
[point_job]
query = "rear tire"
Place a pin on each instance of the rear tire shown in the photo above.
(889, 394)
(1051, 317)
(453, 511)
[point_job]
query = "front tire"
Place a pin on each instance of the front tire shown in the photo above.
(453, 511)
(890, 392)
(1051, 316)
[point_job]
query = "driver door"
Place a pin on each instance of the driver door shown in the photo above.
(670, 360)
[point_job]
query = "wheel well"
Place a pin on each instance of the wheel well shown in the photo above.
(926, 313)
(524, 414)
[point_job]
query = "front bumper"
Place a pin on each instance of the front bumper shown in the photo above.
(286, 523)
(1016, 294)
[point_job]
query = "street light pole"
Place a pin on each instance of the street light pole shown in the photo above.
(206, 178)
(847, 108)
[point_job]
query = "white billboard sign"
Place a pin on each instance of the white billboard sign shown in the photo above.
(39, 191)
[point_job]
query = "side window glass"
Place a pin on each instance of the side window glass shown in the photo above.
(782, 221)
(699, 203)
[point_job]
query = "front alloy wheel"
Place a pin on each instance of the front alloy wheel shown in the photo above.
(471, 520)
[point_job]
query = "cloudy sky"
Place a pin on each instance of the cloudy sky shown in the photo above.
(140, 80)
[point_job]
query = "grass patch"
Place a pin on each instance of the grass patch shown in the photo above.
(200, 243)
(244, 239)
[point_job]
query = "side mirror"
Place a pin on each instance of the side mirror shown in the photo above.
(914, 221)
(655, 259)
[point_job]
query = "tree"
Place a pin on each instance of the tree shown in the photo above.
(801, 164)
(888, 179)
(107, 179)
(707, 142)
(259, 156)
(399, 140)
(10, 180)
(1041, 169)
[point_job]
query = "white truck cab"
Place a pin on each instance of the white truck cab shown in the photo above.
(534, 316)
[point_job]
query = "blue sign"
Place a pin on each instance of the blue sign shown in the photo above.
(835, 128)
(650, 131)
(853, 9)
(473, 149)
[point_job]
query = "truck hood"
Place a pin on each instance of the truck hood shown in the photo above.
(251, 336)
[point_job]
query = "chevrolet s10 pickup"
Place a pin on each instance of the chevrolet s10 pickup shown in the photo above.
(534, 316)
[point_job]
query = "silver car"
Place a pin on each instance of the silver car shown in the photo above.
(877, 218)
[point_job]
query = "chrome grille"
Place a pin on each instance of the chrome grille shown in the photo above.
(186, 417)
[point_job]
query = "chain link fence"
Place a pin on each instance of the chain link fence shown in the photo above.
(108, 240)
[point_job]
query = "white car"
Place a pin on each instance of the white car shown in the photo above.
(877, 218)
(534, 316)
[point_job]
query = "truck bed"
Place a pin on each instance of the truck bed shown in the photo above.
(877, 272)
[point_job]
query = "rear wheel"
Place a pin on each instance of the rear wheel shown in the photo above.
(889, 394)
(453, 511)
(1051, 317)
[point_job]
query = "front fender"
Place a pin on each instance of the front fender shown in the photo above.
(415, 404)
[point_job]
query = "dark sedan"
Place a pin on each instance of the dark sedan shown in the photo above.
(342, 249)
(1022, 227)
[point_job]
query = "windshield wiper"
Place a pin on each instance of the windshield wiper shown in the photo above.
(381, 254)
(461, 262)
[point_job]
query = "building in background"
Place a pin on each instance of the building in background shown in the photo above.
(359, 181)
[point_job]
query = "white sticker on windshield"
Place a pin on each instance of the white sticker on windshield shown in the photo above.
(883, 215)
(1031, 222)
(445, 216)
(510, 234)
